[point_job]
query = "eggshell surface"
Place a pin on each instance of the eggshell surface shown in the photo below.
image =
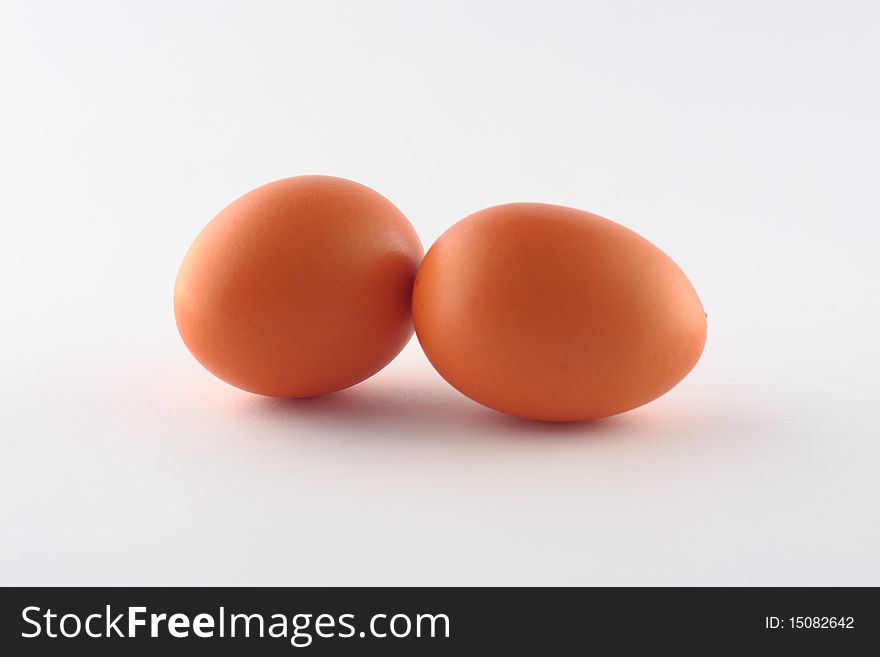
(299, 288)
(552, 313)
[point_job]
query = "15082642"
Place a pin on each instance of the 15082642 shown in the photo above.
(810, 623)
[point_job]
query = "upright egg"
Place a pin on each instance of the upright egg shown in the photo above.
(551, 313)
(299, 288)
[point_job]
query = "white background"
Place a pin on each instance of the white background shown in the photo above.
(740, 137)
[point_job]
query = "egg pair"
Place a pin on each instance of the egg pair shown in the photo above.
(311, 284)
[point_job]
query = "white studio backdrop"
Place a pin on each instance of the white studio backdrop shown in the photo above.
(740, 137)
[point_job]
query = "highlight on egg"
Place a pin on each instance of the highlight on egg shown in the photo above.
(300, 287)
(552, 313)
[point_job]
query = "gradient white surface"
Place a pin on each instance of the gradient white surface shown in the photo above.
(740, 137)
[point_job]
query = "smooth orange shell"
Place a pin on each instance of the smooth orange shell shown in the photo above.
(552, 313)
(299, 288)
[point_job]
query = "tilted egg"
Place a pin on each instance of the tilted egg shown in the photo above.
(552, 313)
(300, 287)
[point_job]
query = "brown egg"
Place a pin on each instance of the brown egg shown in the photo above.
(299, 288)
(552, 313)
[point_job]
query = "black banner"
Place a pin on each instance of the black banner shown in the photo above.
(421, 621)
